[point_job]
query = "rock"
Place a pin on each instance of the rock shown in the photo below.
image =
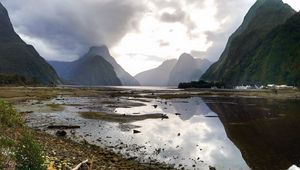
(61, 133)
(164, 116)
(177, 114)
(115, 159)
(155, 106)
(136, 131)
(73, 132)
(178, 134)
(212, 168)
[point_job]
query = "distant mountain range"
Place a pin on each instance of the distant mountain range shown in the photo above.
(264, 49)
(158, 76)
(88, 70)
(19, 58)
(172, 72)
(97, 67)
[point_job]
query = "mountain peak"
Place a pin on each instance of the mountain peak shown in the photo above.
(268, 2)
(99, 50)
(263, 1)
(6, 29)
(2, 8)
(263, 17)
(185, 56)
(19, 58)
(103, 51)
(102, 47)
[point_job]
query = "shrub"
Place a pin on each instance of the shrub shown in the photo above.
(24, 150)
(29, 155)
(9, 116)
(202, 84)
(5, 151)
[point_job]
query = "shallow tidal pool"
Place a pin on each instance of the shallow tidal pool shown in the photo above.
(194, 133)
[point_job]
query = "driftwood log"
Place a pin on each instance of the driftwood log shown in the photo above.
(63, 127)
(79, 165)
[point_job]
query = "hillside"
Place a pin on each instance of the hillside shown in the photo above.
(187, 69)
(234, 64)
(172, 72)
(21, 59)
(87, 70)
(158, 76)
(125, 77)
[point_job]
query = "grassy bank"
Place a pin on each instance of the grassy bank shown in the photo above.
(18, 149)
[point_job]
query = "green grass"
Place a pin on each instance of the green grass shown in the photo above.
(56, 107)
(9, 116)
(18, 150)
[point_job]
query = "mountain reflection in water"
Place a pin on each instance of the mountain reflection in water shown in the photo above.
(265, 131)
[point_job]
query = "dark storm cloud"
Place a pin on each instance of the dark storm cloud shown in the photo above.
(65, 29)
(70, 27)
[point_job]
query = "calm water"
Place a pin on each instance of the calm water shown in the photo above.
(226, 133)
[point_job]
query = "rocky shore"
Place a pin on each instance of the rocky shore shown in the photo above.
(65, 153)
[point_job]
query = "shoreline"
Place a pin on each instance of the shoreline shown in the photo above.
(105, 156)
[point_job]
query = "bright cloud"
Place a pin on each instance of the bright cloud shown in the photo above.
(140, 34)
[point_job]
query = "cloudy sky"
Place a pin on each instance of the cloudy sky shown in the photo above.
(140, 33)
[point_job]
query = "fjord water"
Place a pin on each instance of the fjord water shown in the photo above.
(225, 133)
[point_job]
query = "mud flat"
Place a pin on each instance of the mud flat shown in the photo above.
(147, 128)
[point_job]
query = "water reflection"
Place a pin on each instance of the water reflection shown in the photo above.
(226, 133)
(190, 138)
(266, 131)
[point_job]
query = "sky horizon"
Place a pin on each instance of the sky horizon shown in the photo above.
(140, 34)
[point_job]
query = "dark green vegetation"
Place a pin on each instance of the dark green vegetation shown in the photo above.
(88, 70)
(265, 130)
(18, 149)
(13, 79)
(17, 57)
(277, 59)
(201, 84)
(262, 50)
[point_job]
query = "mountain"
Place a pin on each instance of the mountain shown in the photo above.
(158, 76)
(240, 63)
(19, 58)
(125, 77)
(87, 70)
(277, 59)
(187, 69)
(172, 72)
